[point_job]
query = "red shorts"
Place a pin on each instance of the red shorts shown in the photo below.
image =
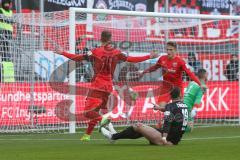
(98, 94)
(167, 97)
(96, 100)
(102, 85)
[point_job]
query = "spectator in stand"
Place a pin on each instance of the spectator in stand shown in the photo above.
(83, 68)
(6, 30)
(232, 69)
(193, 62)
(128, 72)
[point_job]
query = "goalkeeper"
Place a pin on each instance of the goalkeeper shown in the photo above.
(193, 95)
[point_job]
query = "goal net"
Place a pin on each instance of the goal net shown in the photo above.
(45, 92)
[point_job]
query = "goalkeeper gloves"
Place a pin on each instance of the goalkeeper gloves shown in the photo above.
(194, 112)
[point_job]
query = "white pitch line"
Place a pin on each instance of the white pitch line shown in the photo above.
(44, 139)
(53, 139)
(210, 138)
(29, 139)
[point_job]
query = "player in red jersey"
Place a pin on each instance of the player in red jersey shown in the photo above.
(172, 67)
(105, 59)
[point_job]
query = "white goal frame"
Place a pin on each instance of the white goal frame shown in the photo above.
(72, 24)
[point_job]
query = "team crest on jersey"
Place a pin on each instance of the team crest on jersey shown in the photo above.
(174, 64)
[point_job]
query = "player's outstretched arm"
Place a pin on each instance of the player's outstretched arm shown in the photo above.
(69, 55)
(191, 74)
(152, 55)
(152, 68)
(160, 107)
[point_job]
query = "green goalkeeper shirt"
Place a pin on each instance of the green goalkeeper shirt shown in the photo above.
(193, 95)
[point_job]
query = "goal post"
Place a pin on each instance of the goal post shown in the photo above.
(72, 79)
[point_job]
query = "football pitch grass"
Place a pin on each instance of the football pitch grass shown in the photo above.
(205, 143)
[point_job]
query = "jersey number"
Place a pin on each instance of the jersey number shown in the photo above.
(106, 65)
(185, 117)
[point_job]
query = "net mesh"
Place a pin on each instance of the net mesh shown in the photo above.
(36, 97)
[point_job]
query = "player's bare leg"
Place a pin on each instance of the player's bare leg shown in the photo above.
(91, 124)
(91, 111)
(150, 134)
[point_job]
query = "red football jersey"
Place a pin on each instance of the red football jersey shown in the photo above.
(104, 60)
(173, 69)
